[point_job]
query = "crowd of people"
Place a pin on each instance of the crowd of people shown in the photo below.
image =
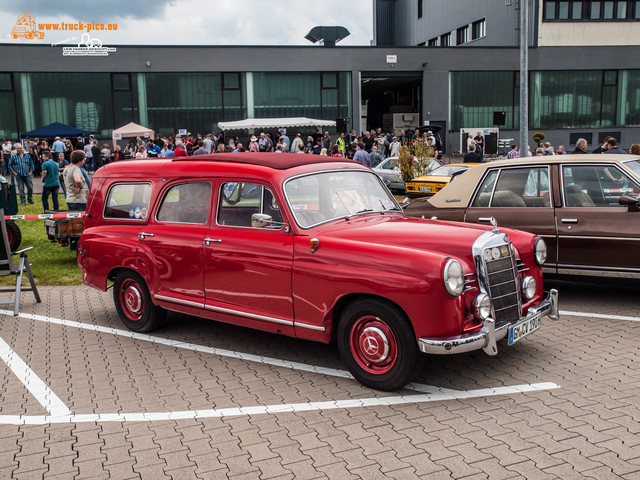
(609, 145)
(66, 163)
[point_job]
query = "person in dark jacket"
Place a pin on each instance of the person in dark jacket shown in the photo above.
(581, 146)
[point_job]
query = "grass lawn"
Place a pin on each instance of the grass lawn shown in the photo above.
(51, 263)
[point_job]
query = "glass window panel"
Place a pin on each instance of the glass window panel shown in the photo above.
(521, 187)
(239, 201)
(562, 99)
(637, 10)
(470, 110)
(576, 11)
(607, 11)
(128, 201)
(290, 94)
(329, 80)
(121, 81)
(445, 40)
(5, 81)
(186, 203)
(232, 105)
(563, 10)
(81, 101)
(596, 186)
(550, 10)
(595, 10)
(610, 77)
(8, 121)
(231, 80)
(484, 192)
(344, 94)
(184, 100)
(330, 103)
(621, 9)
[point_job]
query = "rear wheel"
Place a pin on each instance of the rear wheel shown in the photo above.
(377, 344)
(133, 303)
(14, 234)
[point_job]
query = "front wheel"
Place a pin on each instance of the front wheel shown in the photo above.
(133, 303)
(377, 344)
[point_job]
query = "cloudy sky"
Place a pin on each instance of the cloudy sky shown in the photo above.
(193, 22)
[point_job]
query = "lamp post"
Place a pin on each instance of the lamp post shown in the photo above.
(524, 78)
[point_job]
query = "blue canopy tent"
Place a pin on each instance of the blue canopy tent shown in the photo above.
(55, 129)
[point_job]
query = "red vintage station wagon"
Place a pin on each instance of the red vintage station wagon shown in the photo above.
(311, 248)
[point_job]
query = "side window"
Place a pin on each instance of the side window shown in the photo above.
(390, 165)
(186, 203)
(515, 187)
(128, 201)
(240, 200)
(596, 186)
(486, 189)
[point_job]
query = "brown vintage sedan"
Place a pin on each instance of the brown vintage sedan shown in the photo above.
(584, 206)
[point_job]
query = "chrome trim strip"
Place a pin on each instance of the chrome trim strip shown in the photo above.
(248, 315)
(310, 327)
(238, 313)
(179, 301)
(583, 237)
(599, 273)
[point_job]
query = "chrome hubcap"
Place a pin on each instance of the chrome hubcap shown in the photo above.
(374, 345)
(133, 299)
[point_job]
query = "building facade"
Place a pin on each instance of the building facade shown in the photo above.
(574, 90)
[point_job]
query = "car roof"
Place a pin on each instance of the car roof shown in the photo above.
(254, 164)
(458, 193)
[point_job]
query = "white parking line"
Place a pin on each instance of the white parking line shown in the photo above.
(599, 315)
(59, 413)
(271, 409)
(37, 387)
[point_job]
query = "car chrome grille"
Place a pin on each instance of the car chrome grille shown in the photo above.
(499, 277)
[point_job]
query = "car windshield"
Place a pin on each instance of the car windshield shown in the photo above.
(447, 170)
(634, 165)
(325, 196)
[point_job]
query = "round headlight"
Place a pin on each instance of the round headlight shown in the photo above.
(481, 306)
(529, 286)
(453, 277)
(540, 251)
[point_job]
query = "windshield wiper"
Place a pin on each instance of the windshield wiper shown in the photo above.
(360, 212)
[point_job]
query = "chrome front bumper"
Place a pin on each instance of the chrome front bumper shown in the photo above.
(489, 335)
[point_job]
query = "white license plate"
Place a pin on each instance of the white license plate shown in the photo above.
(424, 189)
(520, 330)
(51, 230)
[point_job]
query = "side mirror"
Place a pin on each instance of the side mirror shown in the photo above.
(405, 202)
(630, 202)
(262, 220)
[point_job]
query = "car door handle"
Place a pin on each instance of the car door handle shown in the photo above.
(143, 235)
(484, 219)
(569, 220)
(207, 241)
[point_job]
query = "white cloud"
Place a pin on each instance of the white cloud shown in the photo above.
(196, 22)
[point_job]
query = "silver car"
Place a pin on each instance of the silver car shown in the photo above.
(389, 170)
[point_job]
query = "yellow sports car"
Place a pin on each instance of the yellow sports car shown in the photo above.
(435, 181)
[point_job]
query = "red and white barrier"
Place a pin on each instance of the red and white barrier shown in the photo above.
(44, 216)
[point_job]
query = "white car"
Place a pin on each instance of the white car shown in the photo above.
(389, 170)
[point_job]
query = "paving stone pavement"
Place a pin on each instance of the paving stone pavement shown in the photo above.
(589, 427)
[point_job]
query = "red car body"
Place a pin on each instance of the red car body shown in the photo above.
(379, 272)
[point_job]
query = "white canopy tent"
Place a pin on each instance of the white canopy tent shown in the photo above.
(131, 130)
(273, 123)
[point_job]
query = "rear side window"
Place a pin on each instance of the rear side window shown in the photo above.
(515, 187)
(186, 203)
(128, 201)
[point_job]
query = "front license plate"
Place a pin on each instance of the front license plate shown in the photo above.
(520, 330)
(424, 189)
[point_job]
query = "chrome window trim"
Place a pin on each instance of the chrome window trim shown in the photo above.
(625, 171)
(183, 182)
(335, 170)
(264, 186)
(499, 169)
(585, 237)
(108, 196)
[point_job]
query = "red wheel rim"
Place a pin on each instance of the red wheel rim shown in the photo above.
(131, 299)
(373, 345)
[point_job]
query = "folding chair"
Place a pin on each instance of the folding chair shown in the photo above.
(7, 267)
